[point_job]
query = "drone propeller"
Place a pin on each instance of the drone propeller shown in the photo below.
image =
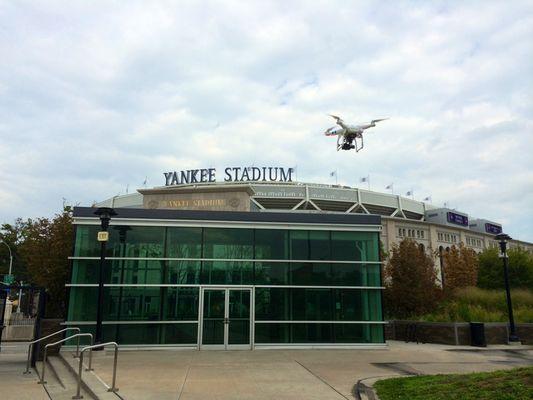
(377, 120)
(334, 116)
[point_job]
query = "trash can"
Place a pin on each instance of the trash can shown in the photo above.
(477, 334)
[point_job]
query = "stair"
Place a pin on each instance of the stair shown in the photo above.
(61, 383)
(61, 378)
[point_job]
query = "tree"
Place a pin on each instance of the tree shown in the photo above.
(460, 267)
(14, 235)
(490, 275)
(410, 281)
(45, 251)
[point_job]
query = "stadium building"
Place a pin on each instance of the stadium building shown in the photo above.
(251, 264)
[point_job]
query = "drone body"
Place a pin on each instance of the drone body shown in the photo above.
(348, 135)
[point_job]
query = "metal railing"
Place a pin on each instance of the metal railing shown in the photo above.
(113, 388)
(43, 338)
(78, 335)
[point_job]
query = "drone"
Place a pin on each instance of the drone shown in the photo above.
(348, 135)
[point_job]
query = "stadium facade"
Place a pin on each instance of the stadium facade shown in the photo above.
(243, 265)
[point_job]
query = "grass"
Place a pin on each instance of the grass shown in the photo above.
(480, 305)
(515, 384)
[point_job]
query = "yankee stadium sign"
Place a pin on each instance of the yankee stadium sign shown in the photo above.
(231, 174)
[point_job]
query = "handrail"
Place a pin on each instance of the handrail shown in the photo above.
(46, 337)
(78, 335)
(80, 368)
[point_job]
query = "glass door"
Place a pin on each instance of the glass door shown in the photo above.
(226, 318)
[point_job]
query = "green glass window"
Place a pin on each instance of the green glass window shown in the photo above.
(180, 304)
(355, 274)
(271, 244)
(228, 243)
(184, 242)
(318, 333)
(310, 274)
(86, 244)
(138, 333)
(85, 271)
(310, 304)
(271, 273)
(358, 333)
(183, 272)
(354, 246)
(179, 333)
(299, 245)
(132, 303)
(136, 241)
(82, 303)
(319, 245)
(141, 272)
(227, 272)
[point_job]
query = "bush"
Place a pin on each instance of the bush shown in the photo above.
(410, 281)
(474, 304)
(490, 271)
(460, 267)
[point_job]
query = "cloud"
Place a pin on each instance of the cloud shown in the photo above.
(96, 96)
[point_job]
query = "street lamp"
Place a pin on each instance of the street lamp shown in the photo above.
(10, 268)
(503, 238)
(10, 256)
(105, 214)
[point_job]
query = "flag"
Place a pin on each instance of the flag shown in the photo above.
(333, 173)
(427, 198)
(409, 193)
(364, 179)
(145, 180)
(389, 186)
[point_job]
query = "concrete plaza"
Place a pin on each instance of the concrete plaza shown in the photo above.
(264, 374)
(291, 374)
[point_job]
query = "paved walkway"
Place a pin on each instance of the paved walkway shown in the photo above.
(14, 385)
(290, 374)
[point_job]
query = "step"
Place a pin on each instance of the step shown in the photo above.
(60, 383)
(91, 382)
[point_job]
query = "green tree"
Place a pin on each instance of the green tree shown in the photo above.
(490, 274)
(45, 251)
(410, 281)
(460, 267)
(14, 235)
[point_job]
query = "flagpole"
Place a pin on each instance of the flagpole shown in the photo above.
(368, 181)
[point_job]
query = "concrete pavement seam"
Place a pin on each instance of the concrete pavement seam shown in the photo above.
(320, 378)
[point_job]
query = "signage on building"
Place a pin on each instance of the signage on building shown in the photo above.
(457, 219)
(494, 229)
(230, 174)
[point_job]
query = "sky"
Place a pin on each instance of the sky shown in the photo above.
(96, 97)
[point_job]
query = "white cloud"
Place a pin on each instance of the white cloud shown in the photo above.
(95, 96)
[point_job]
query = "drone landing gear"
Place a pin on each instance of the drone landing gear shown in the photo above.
(351, 144)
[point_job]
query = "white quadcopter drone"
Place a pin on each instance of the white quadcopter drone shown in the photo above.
(347, 135)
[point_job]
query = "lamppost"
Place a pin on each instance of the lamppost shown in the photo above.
(10, 256)
(10, 268)
(503, 238)
(105, 214)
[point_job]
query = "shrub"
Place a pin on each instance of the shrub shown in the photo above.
(410, 281)
(460, 267)
(490, 272)
(474, 304)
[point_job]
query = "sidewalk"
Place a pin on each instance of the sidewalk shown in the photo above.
(290, 374)
(14, 385)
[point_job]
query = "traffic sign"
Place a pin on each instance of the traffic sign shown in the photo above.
(9, 279)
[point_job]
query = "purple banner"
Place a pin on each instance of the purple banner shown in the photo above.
(457, 219)
(491, 228)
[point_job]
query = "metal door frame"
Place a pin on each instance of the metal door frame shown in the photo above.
(225, 345)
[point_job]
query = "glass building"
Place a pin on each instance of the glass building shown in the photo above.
(229, 280)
